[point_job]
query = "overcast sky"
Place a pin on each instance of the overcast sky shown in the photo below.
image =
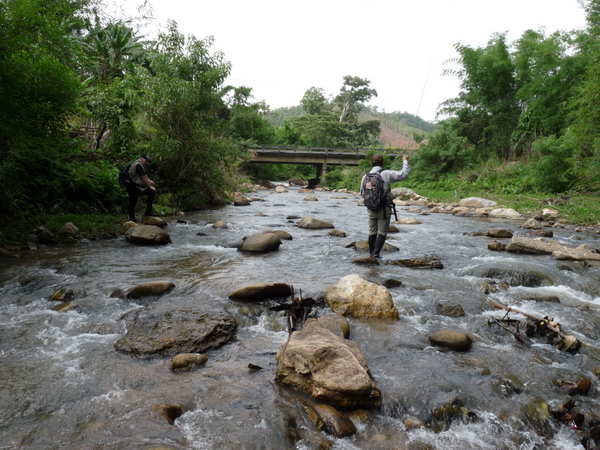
(283, 48)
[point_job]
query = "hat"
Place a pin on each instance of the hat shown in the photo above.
(146, 157)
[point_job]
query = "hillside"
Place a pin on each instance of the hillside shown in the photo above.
(396, 139)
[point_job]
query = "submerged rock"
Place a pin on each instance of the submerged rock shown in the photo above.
(499, 233)
(261, 291)
(330, 420)
(188, 361)
(428, 263)
(260, 243)
(363, 245)
(312, 223)
(149, 288)
(451, 339)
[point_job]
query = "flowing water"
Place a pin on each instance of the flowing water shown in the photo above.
(63, 385)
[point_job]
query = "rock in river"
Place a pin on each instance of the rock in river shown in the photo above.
(328, 367)
(261, 291)
(161, 330)
(353, 296)
(147, 235)
(149, 288)
(260, 243)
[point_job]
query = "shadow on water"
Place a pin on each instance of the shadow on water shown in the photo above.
(62, 384)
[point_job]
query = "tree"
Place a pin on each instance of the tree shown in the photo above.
(353, 93)
(39, 92)
(337, 124)
(247, 122)
(188, 115)
(313, 102)
(546, 75)
(486, 105)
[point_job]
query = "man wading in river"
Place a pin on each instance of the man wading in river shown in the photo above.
(140, 185)
(375, 190)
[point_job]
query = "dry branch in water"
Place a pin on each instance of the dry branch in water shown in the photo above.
(537, 327)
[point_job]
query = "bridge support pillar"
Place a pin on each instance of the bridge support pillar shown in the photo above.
(321, 170)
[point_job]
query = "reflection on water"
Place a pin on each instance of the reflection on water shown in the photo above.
(62, 385)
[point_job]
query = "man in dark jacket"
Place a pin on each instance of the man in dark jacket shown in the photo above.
(379, 220)
(140, 185)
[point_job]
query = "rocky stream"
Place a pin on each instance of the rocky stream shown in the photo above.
(471, 332)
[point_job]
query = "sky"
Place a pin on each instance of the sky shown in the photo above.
(282, 48)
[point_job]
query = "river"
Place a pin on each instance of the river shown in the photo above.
(63, 385)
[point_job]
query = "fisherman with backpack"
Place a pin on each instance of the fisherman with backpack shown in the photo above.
(137, 183)
(377, 195)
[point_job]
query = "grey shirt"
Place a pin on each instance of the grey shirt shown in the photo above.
(390, 176)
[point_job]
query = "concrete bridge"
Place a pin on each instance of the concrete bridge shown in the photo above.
(320, 157)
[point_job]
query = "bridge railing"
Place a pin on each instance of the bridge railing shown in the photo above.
(298, 149)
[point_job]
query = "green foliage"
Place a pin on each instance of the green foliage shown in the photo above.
(354, 93)
(188, 115)
(281, 172)
(246, 119)
(551, 165)
(446, 152)
(336, 124)
(486, 104)
(39, 91)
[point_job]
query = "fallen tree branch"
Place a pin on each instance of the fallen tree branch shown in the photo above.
(542, 327)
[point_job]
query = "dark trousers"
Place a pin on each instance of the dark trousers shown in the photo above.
(135, 192)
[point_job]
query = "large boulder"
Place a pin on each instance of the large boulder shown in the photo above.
(353, 296)
(328, 367)
(476, 202)
(282, 234)
(147, 235)
(240, 199)
(149, 288)
(261, 291)
(154, 220)
(532, 224)
(160, 330)
(68, 229)
(505, 213)
(260, 243)
(539, 246)
(311, 222)
(403, 193)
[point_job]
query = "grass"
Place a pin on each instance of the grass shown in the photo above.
(573, 208)
(18, 230)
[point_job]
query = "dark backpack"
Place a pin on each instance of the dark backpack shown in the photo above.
(372, 191)
(124, 178)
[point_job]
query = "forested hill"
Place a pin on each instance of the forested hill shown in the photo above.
(398, 129)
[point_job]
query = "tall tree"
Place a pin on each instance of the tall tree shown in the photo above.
(354, 92)
(314, 102)
(188, 115)
(546, 74)
(486, 104)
